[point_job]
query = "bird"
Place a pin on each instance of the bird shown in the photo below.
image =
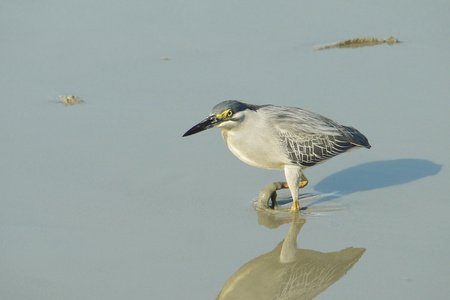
(280, 138)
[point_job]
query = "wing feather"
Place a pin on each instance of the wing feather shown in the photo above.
(311, 138)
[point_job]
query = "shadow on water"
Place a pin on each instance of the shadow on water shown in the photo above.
(374, 175)
(365, 177)
(288, 272)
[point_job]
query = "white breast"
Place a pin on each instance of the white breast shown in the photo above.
(256, 144)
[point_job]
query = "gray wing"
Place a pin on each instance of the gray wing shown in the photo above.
(310, 138)
(311, 150)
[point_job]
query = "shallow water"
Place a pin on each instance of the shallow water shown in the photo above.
(105, 200)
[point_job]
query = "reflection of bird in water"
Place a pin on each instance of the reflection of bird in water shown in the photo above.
(288, 272)
(280, 138)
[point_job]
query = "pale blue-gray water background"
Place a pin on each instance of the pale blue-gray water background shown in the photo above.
(105, 200)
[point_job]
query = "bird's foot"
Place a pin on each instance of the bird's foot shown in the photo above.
(295, 206)
(303, 183)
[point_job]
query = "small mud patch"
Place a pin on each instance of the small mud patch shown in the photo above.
(360, 42)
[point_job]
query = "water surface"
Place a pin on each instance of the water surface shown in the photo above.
(105, 200)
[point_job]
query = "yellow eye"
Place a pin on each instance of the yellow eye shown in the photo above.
(226, 114)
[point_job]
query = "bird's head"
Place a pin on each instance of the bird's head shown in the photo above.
(225, 115)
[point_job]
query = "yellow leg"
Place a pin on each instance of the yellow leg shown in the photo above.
(301, 185)
(303, 181)
(295, 206)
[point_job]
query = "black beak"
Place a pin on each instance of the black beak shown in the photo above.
(209, 122)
